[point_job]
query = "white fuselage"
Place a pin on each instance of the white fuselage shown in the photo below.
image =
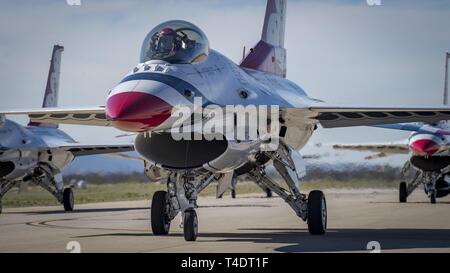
(29, 147)
(217, 81)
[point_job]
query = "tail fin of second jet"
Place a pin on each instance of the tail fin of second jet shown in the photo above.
(52, 88)
(269, 55)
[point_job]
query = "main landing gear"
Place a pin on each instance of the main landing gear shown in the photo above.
(68, 199)
(428, 179)
(160, 213)
(184, 187)
(317, 213)
(44, 178)
(312, 209)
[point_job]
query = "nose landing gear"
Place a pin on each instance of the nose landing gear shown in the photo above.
(181, 196)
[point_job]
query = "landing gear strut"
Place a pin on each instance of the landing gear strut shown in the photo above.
(311, 209)
(44, 178)
(428, 179)
(5, 186)
(405, 189)
(433, 196)
(403, 192)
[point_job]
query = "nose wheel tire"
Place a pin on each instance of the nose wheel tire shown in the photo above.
(190, 225)
(317, 213)
(1, 207)
(403, 192)
(68, 200)
(159, 213)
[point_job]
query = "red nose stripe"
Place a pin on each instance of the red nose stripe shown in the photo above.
(137, 111)
(424, 147)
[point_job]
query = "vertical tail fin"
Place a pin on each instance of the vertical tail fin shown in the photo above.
(269, 54)
(274, 23)
(52, 88)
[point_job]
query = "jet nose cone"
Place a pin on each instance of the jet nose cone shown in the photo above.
(424, 147)
(137, 111)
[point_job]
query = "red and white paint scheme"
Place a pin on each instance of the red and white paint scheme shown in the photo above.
(176, 67)
(429, 147)
(426, 144)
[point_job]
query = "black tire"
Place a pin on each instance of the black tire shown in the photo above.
(403, 192)
(269, 193)
(233, 193)
(68, 200)
(190, 225)
(317, 213)
(433, 197)
(1, 207)
(158, 213)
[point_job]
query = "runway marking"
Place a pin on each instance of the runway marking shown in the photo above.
(46, 223)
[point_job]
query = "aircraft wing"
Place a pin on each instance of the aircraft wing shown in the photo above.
(126, 156)
(94, 116)
(423, 129)
(93, 149)
(344, 116)
(385, 148)
(327, 115)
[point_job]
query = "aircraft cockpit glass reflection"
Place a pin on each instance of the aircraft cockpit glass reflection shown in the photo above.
(176, 42)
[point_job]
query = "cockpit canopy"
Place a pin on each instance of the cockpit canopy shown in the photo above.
(176, 42)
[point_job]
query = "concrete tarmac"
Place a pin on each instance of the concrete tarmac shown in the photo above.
(249, 223)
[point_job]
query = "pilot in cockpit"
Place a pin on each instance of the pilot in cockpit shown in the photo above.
(167, 43)
(175, 42)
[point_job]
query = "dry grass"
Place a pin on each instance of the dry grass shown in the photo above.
(94, 193)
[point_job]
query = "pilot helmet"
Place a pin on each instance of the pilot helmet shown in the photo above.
(165, 42)
(175, 42)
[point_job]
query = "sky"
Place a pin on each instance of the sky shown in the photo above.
(339, 51)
